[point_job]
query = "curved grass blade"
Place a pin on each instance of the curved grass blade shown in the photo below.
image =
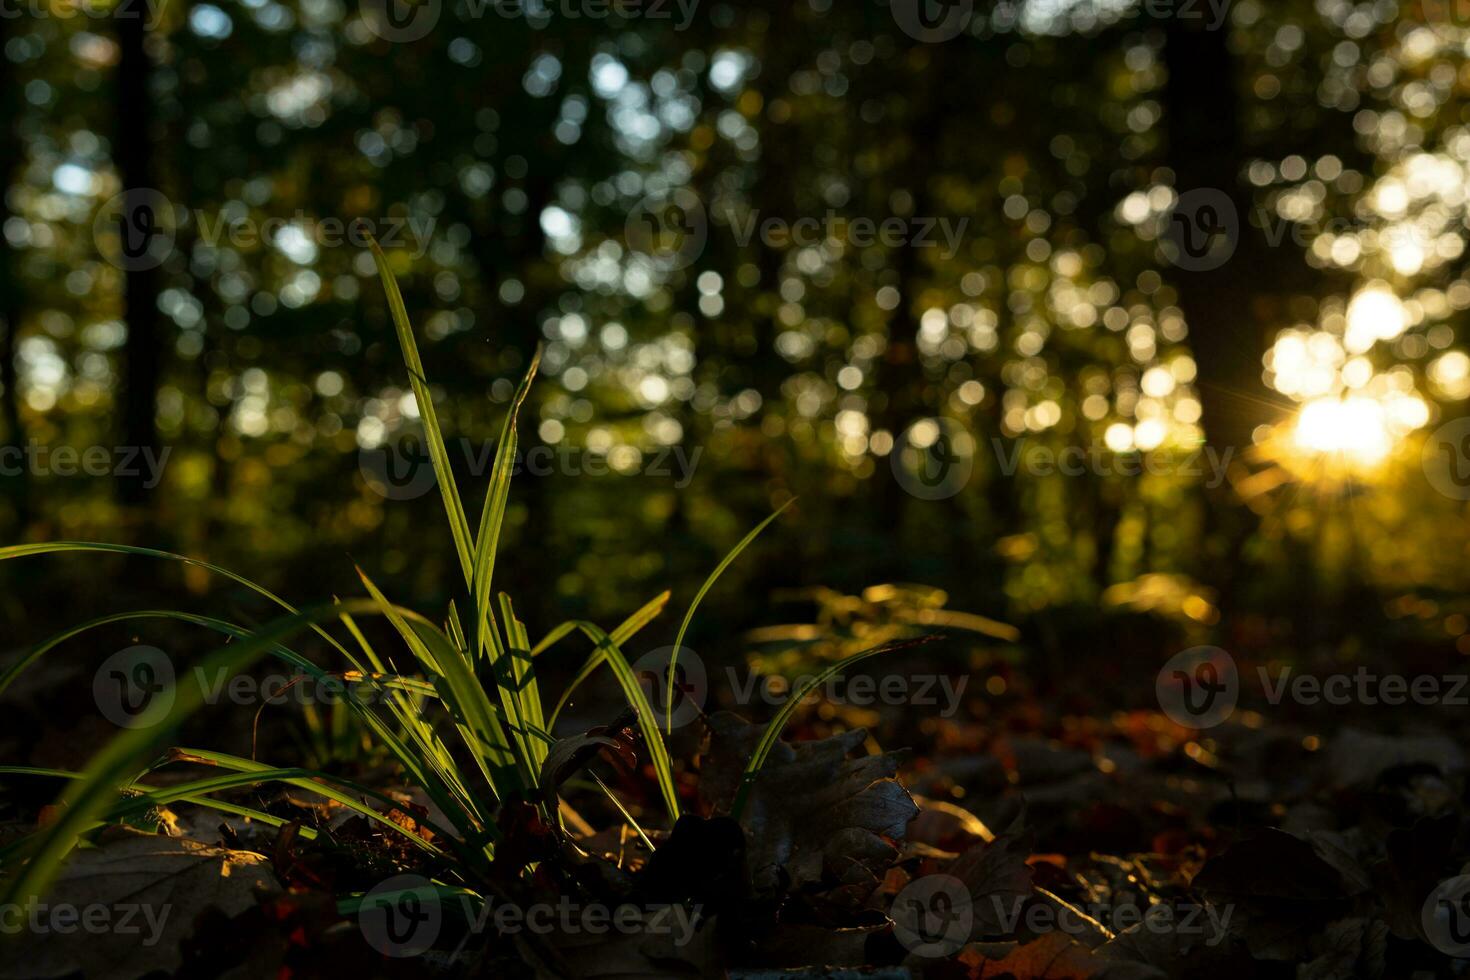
(459, 525)
(244, 772)
(463, 695)
(699, 596)
(234, 809)
(609, 650)
(218, 625)
(62, 547)
(624, 632)
(91, 795)
(773, 730)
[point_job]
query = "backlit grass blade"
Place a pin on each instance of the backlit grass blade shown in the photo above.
(773, 730)
(608, 650)
(523, 674)
(462, 694)
(429, 753)
(489, 644)
(624, 632)
(497, 496)
(89, 797)
(699, 596)
(62, 547)
(218, 625)
(244, 772)
(459, 525)
(222, 806)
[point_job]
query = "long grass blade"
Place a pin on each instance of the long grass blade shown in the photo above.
(703, 589)
(624, 632)
(778, 723)
(89, 797)
(459, 525)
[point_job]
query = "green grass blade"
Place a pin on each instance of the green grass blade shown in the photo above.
(462, 694)
(244, 772)
(63, 547)
(624, 632)
(699, 596)
(234, 809)
(778, 723)
(90, 796)
(609, 651)
(218, 625)
(459, 525)
(523, 674)
(492, 515)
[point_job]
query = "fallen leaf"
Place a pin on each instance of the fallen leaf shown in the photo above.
(121, 910)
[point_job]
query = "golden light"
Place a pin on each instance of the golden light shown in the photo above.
(1374, 314)
(1354, 428)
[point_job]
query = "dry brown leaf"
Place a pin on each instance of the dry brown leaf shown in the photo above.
(120, 910)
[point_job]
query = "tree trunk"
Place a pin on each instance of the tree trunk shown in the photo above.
(1206, 152)
(133, 156)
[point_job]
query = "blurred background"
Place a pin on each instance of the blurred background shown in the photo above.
(1110, 319)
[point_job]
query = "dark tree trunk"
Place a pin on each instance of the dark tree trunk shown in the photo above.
(133, 155)
(11, 301)
(1206, 152)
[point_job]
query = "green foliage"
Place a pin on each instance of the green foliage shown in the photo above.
(488, 689)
